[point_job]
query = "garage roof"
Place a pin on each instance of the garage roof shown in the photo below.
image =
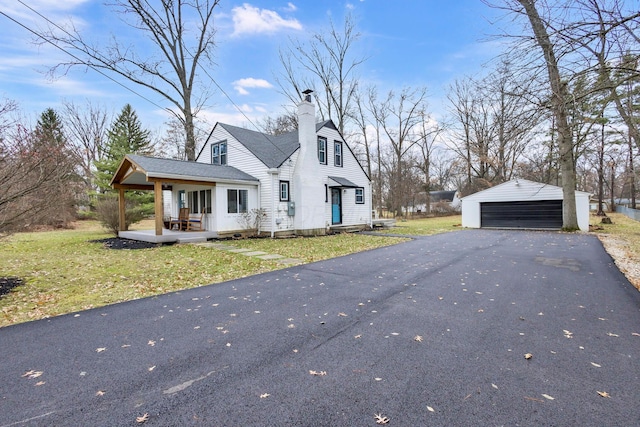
(519, 189)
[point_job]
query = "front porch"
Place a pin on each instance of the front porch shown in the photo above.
(168, 236)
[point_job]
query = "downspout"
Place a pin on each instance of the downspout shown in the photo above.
(259, 206)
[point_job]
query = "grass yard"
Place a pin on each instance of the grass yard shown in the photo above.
(65, 272)
(426, 226)
(622, 241)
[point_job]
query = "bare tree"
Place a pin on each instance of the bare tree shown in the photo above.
(327, 65)
(182, 33)
(280, 124)
(87, 131)
(428, 133)
(398, 117)
(37, 173)
(559, 97)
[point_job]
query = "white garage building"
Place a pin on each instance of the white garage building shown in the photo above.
(520, 203)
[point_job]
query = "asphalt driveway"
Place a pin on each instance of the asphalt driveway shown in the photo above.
(429, 332)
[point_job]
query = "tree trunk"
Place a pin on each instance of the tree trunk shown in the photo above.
(559, 97)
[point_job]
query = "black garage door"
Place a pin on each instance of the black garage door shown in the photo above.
(534, 214)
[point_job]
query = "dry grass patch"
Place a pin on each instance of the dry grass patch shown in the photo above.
(622, 241)
(426, 226)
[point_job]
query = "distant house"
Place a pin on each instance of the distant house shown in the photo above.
(520, 203)
(437, 199)
(306, 182)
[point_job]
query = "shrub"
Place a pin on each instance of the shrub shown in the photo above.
(252, 220)
(107, 212)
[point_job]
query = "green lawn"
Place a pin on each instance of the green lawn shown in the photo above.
(65, 272)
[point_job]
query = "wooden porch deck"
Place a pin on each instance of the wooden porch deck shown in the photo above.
(168, 236)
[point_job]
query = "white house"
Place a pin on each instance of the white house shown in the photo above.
(520, 203)
(306, 182)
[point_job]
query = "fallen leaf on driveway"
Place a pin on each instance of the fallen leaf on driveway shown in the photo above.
(596, 365)
(358, 336)
(99, 393)
(39, 383)
(417, 338)
(612, 335)
(494, 386)
(264, 395)
(430, 409)
(635, 334)
(32, 374)
(381, 419)
(567, 334)
(528, 356)
(151, 343)
(342, 315)
(316, 373)
(546, 396)
(142, 419)
(101, 349)
(603, 394)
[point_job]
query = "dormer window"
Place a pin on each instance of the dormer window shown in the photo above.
(322, 150)
(219, 153)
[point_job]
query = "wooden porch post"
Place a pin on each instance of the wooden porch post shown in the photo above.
(121, 210)
(158, 207)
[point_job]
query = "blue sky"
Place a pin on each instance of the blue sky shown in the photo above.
(407, 43)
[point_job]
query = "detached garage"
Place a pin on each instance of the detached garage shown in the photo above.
(521, 204)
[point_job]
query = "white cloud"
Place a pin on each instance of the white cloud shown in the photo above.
(248, 19)
(290, 7)
(242, 85)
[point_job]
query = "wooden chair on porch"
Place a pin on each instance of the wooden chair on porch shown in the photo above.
(182, 220)
(195, 223)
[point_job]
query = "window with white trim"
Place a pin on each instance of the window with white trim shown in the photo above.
(360, 196)
(237, 201)
(337, 153)
(322, 150)
(219, 153)
(284, 191)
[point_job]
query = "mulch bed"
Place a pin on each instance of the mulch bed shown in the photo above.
(8, 283)
(118, 243)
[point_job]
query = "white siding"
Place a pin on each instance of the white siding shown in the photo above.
(240, 157)
(520, 190)
(352, 213)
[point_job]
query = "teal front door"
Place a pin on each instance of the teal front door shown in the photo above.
(336, 206)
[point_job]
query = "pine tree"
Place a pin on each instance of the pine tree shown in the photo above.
(56, 200)
(125, 136)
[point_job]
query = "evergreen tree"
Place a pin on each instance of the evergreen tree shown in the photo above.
(55, 202)
(125, 136)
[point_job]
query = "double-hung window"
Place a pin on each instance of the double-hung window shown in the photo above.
(237, 201)
(322, 150)
(360, 196)
(337, 153)
(219, 153)
(284, 191)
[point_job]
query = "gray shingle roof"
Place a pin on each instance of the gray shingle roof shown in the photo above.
(157, 167)
(272, 150)
(342, 182)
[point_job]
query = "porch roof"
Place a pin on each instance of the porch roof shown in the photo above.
(141, 172)
(342, 182)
